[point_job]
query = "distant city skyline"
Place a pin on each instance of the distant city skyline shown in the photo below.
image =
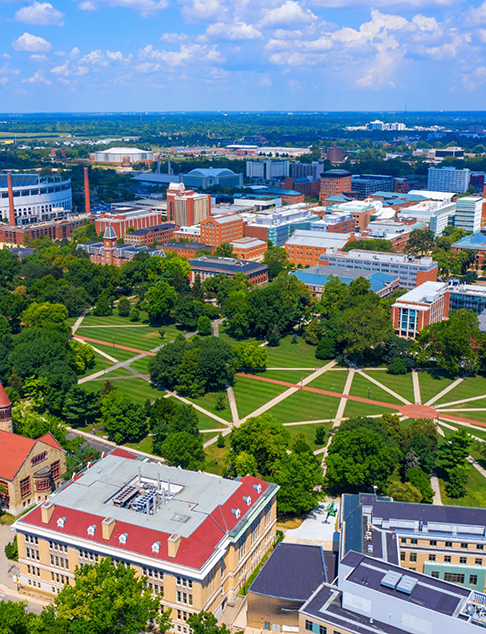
(162, 55)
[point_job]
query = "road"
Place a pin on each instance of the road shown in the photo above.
(100, 445)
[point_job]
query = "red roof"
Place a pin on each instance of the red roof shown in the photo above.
(193, 551)
(49, 439)
(4, 400)
(121, 453)
(14, 449)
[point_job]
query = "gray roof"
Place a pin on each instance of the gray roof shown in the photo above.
(110, 233)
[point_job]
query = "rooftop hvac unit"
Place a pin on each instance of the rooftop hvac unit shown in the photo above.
(407, 584)
(391, 579)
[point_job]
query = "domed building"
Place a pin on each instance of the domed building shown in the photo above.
(122, 156)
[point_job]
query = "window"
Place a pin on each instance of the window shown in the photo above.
(478, 561)
(402, 556)
(308, 626)
(413, 541)
(56, 469)
(447, 559)
(463, 545)
(403, 540)
(431, 557)
(186, 583)
(463, 560)
(448, 544)
(473, 580)
(266, 625)
(479, 546)
(183, 597)
(39, 458)
(322, 629)
(154, 574)
(453, 577)
(434, 574)
(413, 557)
(25, 487)
(433, 542)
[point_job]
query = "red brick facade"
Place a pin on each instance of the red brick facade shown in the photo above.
(215, 231)
(55, 230)
(334, 182)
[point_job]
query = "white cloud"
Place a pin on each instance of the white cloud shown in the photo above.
(95, 57)
(87, 6)
(201, 10)
(145, 7)
(474, 80)
(40, 13)
(187, 54)
(238, 31)
(75, 52)
(364, 4)
(82, 70)
(31, 44)
(424, 23)
(265, 81)
(61, 71)
(37, 78)
(289, 13)
(36, 57)
(174, 38)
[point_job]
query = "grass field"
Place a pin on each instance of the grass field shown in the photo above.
(354, 408)
(432, 382)
(141, 365)
(470, 387)
(302, 406)
(293, 355)
(116, 353)
(289, 376)
(100, 362)
(144, 445)
(332, 380)
(143, 338)
(216, 458)
(138, 389)
(366, 389)
(401, 384)
(472, 416)
(113, 320)
(251, 394)
(208, 402)
(117, 372)
(310, 433)
(476, 491)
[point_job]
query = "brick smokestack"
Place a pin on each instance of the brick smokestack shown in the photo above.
(87, 202)
(11, 206)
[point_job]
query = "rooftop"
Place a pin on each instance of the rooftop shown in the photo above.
(318, 276)
(336, 173)
(187, 246)
(14, 450)
(473, 241)
(426, 293)
(317, 239)
(163, 227)
(231, 265)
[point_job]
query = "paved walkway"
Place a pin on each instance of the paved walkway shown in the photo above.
(384, 387)
(79, 321)
(232, 402)
(416, 387)
(116, 345)
(438, 396)
(343, 401)
(434, 483)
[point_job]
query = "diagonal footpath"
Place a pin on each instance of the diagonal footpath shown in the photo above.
(447, 390)
(416, 388)
(384, 387)
(343, 401)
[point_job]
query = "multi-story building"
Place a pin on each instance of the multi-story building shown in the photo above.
(120, 219)
(267, 170)
(361, 211)
(277, 225)
(476, 179)
(208, 177)
(305, 185)
(475, 242)
(401, 185)
(394, 231)
(186, 250)
(335, 154)
(305, 170)
(316, 278)
(218, 229)
(410, 271)
(435, 213)
(427, 304)
(249, 248)
(468, 213)
(367, 184)
(110, 252)
(184, 207)
(122, 156)
(338, 222)
(287, 196)
(335, 182)
(448, 179)
(157, 233)
(306, 247)
(195, 536)
(209, 266)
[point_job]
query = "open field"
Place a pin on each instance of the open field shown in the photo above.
(138, 389)
(332, 380)
(116, 353)
(141, 365)
(143, 338)
(471, 386)
(303, 406)
(208, 402)
(293, 355)
(354, 408)
(250, 394)
(310, 433)
(400, 383)
(432, 382)
(364, 388)
(216, 458)
(290, 376)
(100, 363)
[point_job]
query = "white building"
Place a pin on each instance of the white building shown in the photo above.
(448, 179)
(435, 213)
(36, 198)
(468, 213)
(122, 155)
(267, 170)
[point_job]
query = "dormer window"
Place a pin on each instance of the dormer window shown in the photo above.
(236, 513)
(60, 522)
(91, 530)
(155, 547)
(258, 488)
(123, 538)
(247, 500)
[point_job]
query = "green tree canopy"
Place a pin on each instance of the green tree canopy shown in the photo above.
(123, 419)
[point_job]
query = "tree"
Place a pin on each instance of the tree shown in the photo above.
(276, 260)
(14, 616)
(225, 250)
(298, 475)
(206, 623)
(457, 344)
(397, 366)
(163, 368)
(264, 438)
(313, 332)
(103, 306)
(105, 599)
(420, 445)
(326, 348)
(52, 316)
(426, 427)
(249, 355)
(421, 481)
(452, 458)
(216, 363)
(420, 242)
(197, 291)
(123, 420)
(188, 375)
(404, 492)
(159, 300)
(363, 329)
(321, 435)
(134, 314)
(204, 326)
(80, 405)
(220, 401)
(124, 307)
(187, 312)
(84, 355)
(184, 450)
(168, 417)
(220, 441)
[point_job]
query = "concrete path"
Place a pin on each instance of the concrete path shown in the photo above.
(343, 401)
(416, 387)
(216, 323)
(463, 409)
(464, 400)
(232, 402)
(88, 436)
(384, 387)
(434, 483)
(118, 326)
(116, 345)
(438, 396)
(79, 321)
(477, 466)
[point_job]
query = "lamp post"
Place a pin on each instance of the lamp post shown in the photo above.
(368, 393)
(331, 416)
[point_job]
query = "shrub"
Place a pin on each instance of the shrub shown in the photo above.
(326, 348)
(123, 307)
(397, 366)
(420, 480)
(220, 441)
(320, 438)
(134, 314)
(11, 550)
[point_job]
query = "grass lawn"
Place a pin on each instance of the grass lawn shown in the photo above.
(116, 353)
(141, 365)
(144, 445)
(117, 372)
(100, 362)
(400, 383)
(226, 337)
(476, 491)
(293, 355)
(208, 402)
(364, 388)
(138, 389)
(205, 422)
(470, 387)
(143, 338)
(334, 381)
(432, 382)
(353, 408)
(113, 320)
(472, 416)
(216, 458)
(304, 405)
(171, 331)
(251, 394)
(310, 433)
(71, 321)
(290, 376)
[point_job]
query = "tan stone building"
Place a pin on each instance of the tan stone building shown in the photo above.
(196, 536)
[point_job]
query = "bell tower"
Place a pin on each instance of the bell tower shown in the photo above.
(109, 244)
(5, 411)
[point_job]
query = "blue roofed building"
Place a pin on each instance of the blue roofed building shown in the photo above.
(316, 277)
(476, 242)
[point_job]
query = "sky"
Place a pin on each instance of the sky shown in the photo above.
(162, 55)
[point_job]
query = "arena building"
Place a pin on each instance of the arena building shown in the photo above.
(123, 156)
(36, 198)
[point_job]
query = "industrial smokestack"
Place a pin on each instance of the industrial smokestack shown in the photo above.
(87, 202)
(10, 200)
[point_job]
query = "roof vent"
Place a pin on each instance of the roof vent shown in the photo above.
(247, 499)
(391, 579)
(155, 547)
(407, 584)
(258, 488)
(236, 513)
(60, 522)
(91, 530)
(123, 538)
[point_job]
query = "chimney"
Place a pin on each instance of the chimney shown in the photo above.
(483, 210)
(173, 543)
(87, 202)
(11, 207)
(107, 527)
(47, 510)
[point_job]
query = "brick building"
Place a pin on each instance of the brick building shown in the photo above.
(427, 304)
(306, 247)
(217, 230)
(335, 154)
(122, 218)
(210, 266)
(310, 188)
(185, 207)
(187, 250)
(110, 252)
(335, 182)
(157, 233)
(56, 230)
(339, 222)
(476, 242)
(249, 248)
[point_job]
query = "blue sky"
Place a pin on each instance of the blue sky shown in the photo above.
(121, 55)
